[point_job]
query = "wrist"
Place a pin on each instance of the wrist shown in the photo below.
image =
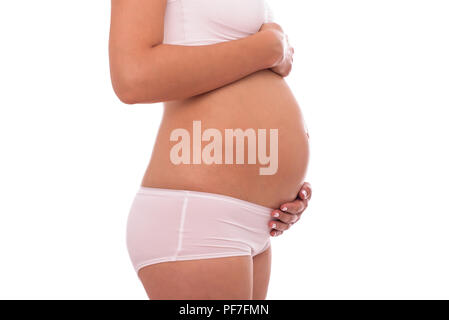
(273, 48)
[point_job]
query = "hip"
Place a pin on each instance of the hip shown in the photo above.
(173, 225)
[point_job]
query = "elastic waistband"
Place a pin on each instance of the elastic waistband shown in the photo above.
(206, 195)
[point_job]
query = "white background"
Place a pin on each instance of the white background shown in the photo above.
(372, 78)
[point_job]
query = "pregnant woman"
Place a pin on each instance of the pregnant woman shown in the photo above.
(231, 151)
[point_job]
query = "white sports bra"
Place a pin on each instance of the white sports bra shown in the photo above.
(204, 22)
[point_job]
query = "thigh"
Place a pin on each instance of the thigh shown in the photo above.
(229, 278)
(261, 274)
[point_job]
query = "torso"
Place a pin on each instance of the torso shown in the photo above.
(262, 100)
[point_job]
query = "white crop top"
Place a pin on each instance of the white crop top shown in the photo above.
(204, 22)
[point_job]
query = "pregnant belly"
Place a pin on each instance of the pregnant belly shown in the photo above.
(246, 140)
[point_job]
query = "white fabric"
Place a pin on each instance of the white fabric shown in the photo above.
(203, 22)
(174, 225)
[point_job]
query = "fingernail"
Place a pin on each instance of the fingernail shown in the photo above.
(273, 225)
(284, 209)
(276, 214)
(304, 193)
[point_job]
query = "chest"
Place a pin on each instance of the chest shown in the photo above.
(210, 21)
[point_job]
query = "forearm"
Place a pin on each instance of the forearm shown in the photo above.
(169, 72)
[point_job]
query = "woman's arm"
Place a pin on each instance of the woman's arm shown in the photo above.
(143, 70)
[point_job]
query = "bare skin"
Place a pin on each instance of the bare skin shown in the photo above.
(261, 100)
(234, 278)
(289, 213)
(223, 88)
(144, 70)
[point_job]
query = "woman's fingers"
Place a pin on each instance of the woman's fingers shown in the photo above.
(276, 233)
(295, 207)
(284, 222)
(290, 212)
(285, 217)
(279, 226)
(305, 193)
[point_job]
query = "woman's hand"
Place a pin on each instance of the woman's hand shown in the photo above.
(284, 52)
(290, 212)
